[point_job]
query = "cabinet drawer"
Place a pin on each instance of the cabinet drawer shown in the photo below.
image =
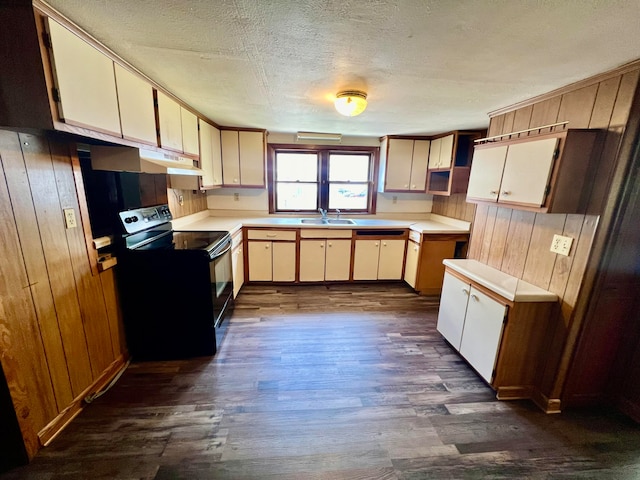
(325, 233)
(271, 235)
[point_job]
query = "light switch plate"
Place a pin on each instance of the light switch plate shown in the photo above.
(561, 245)
(70, 218)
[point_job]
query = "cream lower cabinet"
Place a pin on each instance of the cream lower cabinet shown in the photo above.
(271, 255)
(411, 261)
(237, 262)
(381, 259)
(325, 255)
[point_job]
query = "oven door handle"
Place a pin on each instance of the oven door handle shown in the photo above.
(219, 254)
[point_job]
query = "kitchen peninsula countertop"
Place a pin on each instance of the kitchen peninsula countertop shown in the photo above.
(432, 224)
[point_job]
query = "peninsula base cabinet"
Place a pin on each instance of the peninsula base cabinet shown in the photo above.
(502, 340)
(271, 255)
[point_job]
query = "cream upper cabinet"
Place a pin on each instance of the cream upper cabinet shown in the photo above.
(170, 122)
(441, 152)
(85, 82)
(404, 164)
(486, 173)
(189, 122)
(210, 155)
(243, 156)
(434, 152)
(135, 99)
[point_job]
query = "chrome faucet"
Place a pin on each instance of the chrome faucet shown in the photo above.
(338, 212)
(323, 212)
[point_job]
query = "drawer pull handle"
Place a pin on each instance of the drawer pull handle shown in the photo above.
(272, 235)
(493, 192)
(466, 292)
(506, 192)
(475, 297)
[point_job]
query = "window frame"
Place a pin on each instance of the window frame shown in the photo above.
(323, 152)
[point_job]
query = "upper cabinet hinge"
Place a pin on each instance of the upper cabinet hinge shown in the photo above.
(55, 94)
(556, 153)
(46, 39)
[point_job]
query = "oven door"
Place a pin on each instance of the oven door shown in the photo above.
(221, 284)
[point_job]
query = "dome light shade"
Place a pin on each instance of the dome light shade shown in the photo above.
(351, 102)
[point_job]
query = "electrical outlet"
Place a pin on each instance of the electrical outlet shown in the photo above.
(70, 218)
(561, 245)
(181, 200)
(394, 199)
(236, 197)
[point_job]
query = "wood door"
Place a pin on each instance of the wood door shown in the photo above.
(411, 263)
(170, 123)
(338, 260)
(453, 309)
(284, 261)
(419, 165)
(486, 173)
(252, 155)
(391, 259)
(482, 332)
(137, 113)
(527, 171)
(189, 132)
(434, 153)
(365, 260)
(230, 151)
(445, 157)
(85, 81)
(398, 169)
(260, 262)
(312, 259)
(431, 273)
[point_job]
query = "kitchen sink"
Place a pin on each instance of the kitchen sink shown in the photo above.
(313, 221)
(340, 221)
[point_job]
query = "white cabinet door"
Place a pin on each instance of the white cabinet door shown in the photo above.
(230, 149)
(85, 81)
(338, 259)
(284, 261)
(453, 308)
(399, 160)
(206, 153)
(420, 161)
(482, 332)
(189, 123)
(216, 152)
(411, 263)
(445, 156)
(237, 263)
(391, 259)
(135, 100)
(365, 260)
(170, 123)
(486, 173)
(312, 260)
(252, 155)
(260, 261)
(527, 171)
(434, 152)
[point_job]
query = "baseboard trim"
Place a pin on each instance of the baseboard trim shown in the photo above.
(546, 404)
(514, 393)
(55, 426)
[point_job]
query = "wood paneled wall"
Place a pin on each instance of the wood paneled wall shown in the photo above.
(193, 202)
(60, 326)
(454, 206)
(517, 242)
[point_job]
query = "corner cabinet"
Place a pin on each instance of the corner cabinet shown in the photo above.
(403, 164)
(450, 162)
(500, 325)
(243, 158)
(545, 173)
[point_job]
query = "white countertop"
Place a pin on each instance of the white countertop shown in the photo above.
(503, 284)
(203, 221)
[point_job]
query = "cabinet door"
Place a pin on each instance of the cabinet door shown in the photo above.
(453, 308)
(365, 260)
(486, 173)
(284, 261)
(482, 332)
(391, 259)
(434, 152)
(189, 132)
(206, 153)
(85, 81)
(216, 152)
(411, 263)
(338, 260)
(399, 160)
(230, 157)
(445, 156)
(260, 262)
(419, 165)
(312, 259)
(135, 100)
(526, 172)
(251, 158)
(170, 123)
(237, 264)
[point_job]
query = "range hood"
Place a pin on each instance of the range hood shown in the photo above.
(140, 160)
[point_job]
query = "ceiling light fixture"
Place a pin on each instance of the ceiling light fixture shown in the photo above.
(334, 137)
(351, 102)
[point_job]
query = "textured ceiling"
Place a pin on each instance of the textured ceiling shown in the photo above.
(427, 66)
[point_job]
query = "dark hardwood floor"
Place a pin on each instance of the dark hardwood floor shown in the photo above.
(339, 382)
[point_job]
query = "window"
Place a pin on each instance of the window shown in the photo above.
(306, 179)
